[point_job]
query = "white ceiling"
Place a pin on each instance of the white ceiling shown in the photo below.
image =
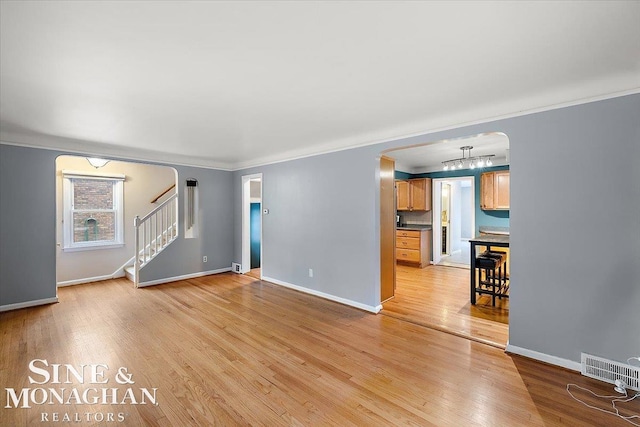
(429, 157)
(234, 84)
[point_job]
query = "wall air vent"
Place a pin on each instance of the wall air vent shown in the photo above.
(610, 371)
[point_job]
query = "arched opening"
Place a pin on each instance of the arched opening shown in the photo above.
(439, 211)
(96, 204)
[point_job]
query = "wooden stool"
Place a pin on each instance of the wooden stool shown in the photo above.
(495, 280)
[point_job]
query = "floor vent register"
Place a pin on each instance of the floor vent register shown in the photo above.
(609, 371)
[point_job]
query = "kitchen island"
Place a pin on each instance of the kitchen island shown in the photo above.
(501, 241)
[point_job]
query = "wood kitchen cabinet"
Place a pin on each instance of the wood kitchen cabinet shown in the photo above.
(494, 190)
(413, 247)
(413, 195)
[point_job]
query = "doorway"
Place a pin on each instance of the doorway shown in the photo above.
(252, 260)
(437, 296)
(454, 199)
(94, 207)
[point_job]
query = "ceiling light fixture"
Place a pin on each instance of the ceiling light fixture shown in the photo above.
(467, 160)
(97, 162)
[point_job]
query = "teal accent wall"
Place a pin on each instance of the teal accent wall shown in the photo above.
(402, 175)
(483, 218)
(254, 234)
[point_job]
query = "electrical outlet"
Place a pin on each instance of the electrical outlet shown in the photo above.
(311, 272)
(204, 258)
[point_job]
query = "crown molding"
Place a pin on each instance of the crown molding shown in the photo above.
(113, 152)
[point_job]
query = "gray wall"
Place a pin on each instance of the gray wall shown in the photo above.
(28, 226)
(215, 229)
(321, 217)
(27, 221)
(575, 225)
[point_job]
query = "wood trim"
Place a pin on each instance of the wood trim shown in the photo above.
(387, 228)
(163, 193)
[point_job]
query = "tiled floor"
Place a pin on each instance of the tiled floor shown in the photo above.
(458, 259)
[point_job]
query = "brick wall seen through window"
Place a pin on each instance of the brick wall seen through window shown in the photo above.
(94, 218)
(93, 210)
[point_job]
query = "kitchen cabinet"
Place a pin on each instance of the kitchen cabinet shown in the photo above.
(494, 190)
(413, 247)
(413, 195)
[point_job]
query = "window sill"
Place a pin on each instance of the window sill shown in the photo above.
(93, 247)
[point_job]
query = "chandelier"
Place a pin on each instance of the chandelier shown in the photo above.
(467, 161)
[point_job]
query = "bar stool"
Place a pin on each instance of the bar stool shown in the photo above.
(495, 282)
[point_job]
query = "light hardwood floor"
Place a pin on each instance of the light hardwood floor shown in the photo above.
(255, 273)
(231, 350)
(438, 297)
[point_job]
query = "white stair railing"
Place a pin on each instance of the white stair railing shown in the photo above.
(154, 232)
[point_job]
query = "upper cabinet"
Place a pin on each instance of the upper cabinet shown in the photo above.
(414, 195)
(403, 200)
(494, 190)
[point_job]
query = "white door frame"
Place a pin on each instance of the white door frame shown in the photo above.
(246, 223)
(437, 200)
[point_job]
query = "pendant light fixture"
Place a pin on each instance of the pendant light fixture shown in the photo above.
(468, 161)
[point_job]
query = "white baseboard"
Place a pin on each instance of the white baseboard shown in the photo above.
(26, 304)
(547, 358)
(116, 274)
(330, 297)
(184, 277)
(90, 279)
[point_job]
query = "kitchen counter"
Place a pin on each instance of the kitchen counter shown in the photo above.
(491, 240)
(494, 230)
(418, 227)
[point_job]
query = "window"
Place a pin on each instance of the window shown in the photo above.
(93, 210)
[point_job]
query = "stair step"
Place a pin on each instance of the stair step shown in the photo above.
(130, 273)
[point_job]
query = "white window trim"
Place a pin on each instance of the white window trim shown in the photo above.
(67, 200)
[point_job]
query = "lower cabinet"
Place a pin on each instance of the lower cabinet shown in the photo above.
(413, 247)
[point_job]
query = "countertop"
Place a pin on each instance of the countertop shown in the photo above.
(418, 227)
(492, 238)
(494, 230)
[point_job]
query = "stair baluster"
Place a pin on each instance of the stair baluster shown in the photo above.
(154, 232)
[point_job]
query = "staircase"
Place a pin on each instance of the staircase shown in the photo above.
(153, 232)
